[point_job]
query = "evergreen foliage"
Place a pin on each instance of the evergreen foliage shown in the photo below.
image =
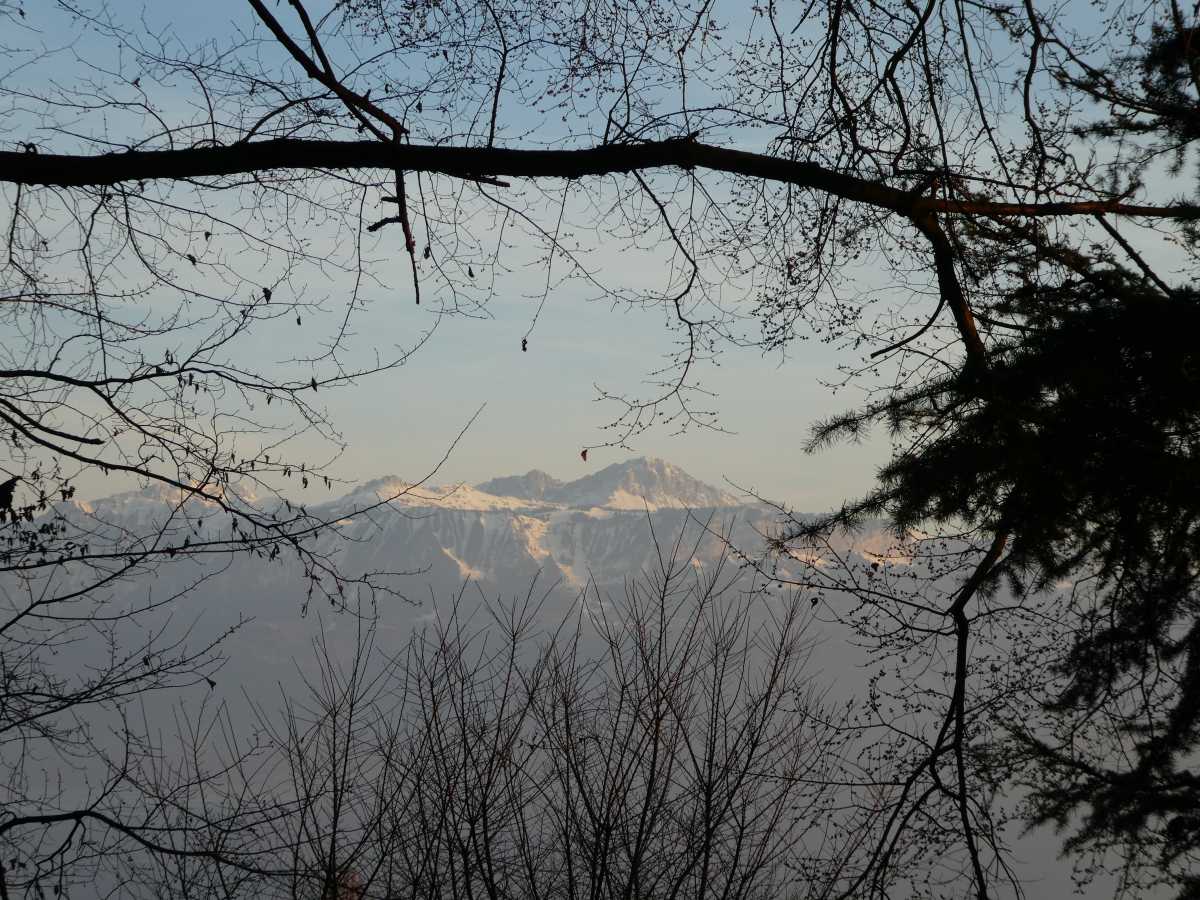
(1078, 441)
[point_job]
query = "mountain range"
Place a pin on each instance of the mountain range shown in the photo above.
(497, 539)
(499, 534)
(640, 484)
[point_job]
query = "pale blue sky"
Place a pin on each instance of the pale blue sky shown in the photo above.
(539, 407)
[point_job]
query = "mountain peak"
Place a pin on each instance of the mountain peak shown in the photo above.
(533, 485)
(643, 482)
(632, 484)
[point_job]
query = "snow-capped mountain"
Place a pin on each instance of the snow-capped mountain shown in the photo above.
(502, 532)
(499, 534)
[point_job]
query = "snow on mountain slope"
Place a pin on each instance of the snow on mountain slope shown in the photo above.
(599, 527)
(401, 493)
(637, 485)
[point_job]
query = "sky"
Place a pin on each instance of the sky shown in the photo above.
(537, 409)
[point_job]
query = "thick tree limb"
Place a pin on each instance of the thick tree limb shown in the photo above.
(951, 290)
(140, 835)
(61, 170)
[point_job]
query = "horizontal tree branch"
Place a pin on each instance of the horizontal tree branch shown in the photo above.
(61, 170)
(140, 835)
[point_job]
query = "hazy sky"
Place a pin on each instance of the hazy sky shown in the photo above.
(539, 407)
